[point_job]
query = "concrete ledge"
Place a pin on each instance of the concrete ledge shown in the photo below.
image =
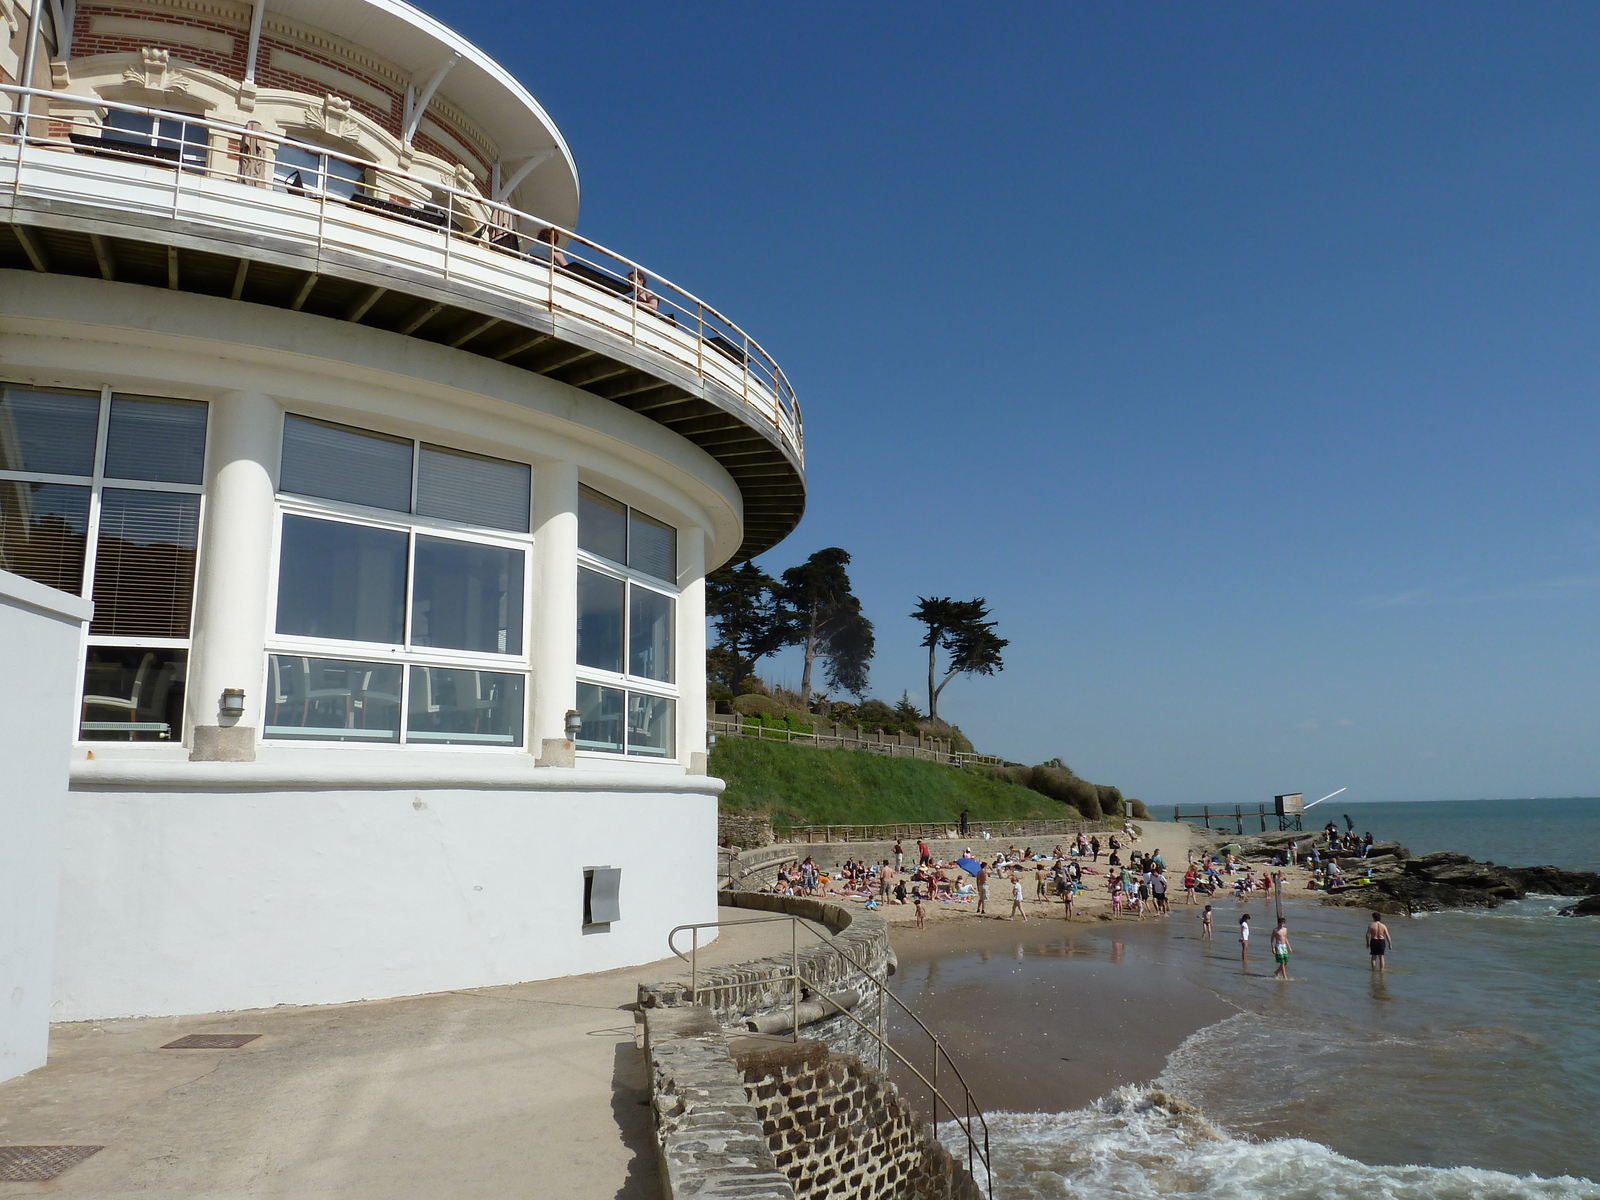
(375, 772)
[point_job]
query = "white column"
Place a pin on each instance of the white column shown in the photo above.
(245, 432)
(555, 611)
(691, 651)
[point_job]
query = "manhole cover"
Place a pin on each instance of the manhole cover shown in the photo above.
(211, 1041)
(39, 1164)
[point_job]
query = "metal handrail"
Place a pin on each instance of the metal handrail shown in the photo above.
(970, 1108)
(468, 218)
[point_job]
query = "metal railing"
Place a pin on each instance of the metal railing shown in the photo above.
(965, 1117)
(1236, 820)
(230, 176)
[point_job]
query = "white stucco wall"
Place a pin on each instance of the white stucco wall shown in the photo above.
(39, 633)
(180, 901)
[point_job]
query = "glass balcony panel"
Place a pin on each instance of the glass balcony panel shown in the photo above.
(161, 440)
(602, 711)
(44, 531)
(332, 700)
(48, 433)
(651, 725)
(133, 695)
(459, 707)
(649, 634)
(343, 581)
(600, 617)
(467, 596)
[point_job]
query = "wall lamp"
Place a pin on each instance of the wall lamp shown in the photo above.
(232, 702)
(574, 724)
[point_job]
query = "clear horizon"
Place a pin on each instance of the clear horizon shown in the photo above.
(1242, 356)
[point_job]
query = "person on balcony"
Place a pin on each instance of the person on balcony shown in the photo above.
(642, 295)
(547, 237)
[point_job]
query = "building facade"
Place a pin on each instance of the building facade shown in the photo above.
(394, 498)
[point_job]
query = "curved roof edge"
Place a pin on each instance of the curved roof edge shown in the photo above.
(478, 85)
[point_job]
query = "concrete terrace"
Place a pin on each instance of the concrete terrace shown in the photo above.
(537, 1089)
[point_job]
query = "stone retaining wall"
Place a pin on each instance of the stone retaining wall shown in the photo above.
(838, 1128)
(744, 830)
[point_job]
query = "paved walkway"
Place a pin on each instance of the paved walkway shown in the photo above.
(534, 1090)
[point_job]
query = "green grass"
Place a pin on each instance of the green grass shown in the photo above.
(800, 785)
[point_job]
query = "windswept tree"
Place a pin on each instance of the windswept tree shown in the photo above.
(753, 618)
(962, 630)
(828, 622)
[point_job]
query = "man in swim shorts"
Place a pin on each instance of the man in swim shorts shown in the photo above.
(1281, 949)
(1378, 941)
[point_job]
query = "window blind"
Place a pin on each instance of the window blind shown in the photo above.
(652, 546)
(455, 486)
(144, 564)
(335, 462)
(50, 433)
(156, 439)
(602, 525)
(44, 531)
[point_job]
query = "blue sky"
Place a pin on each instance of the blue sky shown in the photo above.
(1243, 356)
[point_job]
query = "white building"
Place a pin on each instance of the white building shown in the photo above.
(382, 483)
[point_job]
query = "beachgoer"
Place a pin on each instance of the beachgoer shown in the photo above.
(1094, 846)
(1189, 884)
(1038, 880)
(922, 915)
(1158, 889)
(899, 857)
(1379, 939)
(1016, 898)
(1244, 940)
(927, 855)
(983, 888)
(1281, 949)
(1205, 924)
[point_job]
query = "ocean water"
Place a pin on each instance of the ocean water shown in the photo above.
(1470, 1069)
(1515, 833)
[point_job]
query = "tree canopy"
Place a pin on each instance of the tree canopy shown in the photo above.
(828, 622)
(962, 630)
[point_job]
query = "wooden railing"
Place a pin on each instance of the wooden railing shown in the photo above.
(944, 831)
(929, 749)
(1238, 819)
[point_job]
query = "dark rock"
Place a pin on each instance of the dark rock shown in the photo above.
(1589, 906)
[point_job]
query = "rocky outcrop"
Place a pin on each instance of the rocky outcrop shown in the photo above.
(1589, 906)
(1390, 880)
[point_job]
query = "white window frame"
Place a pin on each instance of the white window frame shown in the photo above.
(405, 653)
(97, 482)
(628, 684)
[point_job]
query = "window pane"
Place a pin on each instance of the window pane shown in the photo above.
(652, 547)
(336, 462)
(602, 525)
(341, 581)
(649, 634)
(128, 127)
(465, 708)
(473, 490)
(467, 597)
(650, 725)
(601, 710)
(599, 621)
(44, 530)
(160, 440)
(344, 179)
(144, 563)
(331, 699)
(52, 433)
(297, 169)
(133, 695)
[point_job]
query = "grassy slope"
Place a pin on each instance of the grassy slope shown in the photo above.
(804, 786)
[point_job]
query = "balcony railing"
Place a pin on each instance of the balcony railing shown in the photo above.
(232, 179)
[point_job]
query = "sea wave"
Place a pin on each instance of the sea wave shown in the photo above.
(1142, 1142)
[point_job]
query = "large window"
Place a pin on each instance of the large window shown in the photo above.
(626, 623)
(307, 170)
(165, 136)
(409, 629)
(100, 497)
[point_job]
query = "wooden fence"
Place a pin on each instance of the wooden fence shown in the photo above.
(847, 737)
(944, 831)
(1238, 819)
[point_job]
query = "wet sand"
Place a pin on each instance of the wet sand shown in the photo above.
(1046, 1016)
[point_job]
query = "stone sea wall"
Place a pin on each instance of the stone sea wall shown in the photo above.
(741, 1117)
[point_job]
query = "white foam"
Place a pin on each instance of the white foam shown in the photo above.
(1145, 1143)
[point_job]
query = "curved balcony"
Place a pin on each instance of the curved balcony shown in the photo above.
(225, 210)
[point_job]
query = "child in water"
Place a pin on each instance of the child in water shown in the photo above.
(1205, 924)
